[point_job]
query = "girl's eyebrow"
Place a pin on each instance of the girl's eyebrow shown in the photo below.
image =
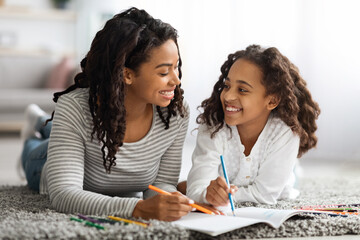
(239, 81)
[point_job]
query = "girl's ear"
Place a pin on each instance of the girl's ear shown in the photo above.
(273, 102)
(128, 75)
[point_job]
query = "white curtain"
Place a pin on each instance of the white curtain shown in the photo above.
(320, 36)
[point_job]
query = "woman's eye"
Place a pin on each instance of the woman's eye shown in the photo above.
(163, 74)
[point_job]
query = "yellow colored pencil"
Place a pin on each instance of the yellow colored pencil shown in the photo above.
(200, 208)
(127, 221)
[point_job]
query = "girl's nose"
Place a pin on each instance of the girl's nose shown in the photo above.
(229, 95)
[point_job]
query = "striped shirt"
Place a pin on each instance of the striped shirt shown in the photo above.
(74, 175)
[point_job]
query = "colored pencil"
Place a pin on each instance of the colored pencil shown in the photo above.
(89, 219)
(127, 221)
(88, 223)
(330, 206)
(198, 207)
(228, 183)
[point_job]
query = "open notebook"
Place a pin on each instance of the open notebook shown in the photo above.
(218, 224)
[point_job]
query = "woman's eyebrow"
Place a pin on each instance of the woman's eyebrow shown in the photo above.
(239, 81)
(164, 65)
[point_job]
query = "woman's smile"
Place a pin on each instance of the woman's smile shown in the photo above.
(167, 94)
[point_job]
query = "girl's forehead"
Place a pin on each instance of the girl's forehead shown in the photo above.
(243, 68)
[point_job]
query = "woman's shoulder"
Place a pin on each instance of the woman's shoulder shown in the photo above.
(77, 95)
(180, 117)
(74, 101)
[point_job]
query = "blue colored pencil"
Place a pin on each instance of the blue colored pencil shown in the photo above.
(228, 183)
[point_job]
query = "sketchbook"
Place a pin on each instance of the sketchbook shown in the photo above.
(217, 224)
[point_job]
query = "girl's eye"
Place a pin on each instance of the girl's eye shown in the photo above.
(242, 90)
(225, 86)
(163, 74)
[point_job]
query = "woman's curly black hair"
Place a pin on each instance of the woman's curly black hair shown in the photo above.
(281, 78)
(125, 41)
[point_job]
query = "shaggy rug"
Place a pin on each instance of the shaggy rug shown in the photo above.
(27, 215)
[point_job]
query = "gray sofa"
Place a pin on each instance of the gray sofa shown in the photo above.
(24, 80)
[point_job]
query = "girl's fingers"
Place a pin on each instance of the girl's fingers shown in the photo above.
(221, 182)
(233, 189)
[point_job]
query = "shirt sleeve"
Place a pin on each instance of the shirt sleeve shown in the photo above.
(274, 171)
(170, 165)
(65, 167)
(205, 163)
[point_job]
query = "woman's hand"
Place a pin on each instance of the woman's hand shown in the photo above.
(217, 193)
(163, 207)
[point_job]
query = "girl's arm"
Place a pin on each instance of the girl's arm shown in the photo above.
(274, 171)
(170, 165)
(205, 164)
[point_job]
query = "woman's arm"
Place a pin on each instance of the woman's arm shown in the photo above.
(65, 166)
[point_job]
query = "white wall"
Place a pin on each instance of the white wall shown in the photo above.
(320, 36)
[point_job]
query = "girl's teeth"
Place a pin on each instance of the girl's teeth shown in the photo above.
(231, 109)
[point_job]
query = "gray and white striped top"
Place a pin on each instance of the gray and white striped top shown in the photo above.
(74, 175)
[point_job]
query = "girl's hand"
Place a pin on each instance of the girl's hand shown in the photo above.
(163, 207)
(217, 192)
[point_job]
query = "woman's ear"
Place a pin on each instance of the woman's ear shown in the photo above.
(128, 75)
(274, 101)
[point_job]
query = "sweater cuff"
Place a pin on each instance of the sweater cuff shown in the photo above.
(203, 197)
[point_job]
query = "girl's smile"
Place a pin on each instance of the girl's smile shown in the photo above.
(230, 109)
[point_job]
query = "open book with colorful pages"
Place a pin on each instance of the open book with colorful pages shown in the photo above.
(217, 224)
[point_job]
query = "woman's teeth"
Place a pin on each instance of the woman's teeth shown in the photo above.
(167, 93)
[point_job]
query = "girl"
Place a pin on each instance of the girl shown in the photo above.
(261, 118)
(119, 128)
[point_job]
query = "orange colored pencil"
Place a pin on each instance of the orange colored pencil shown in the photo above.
(200, 208)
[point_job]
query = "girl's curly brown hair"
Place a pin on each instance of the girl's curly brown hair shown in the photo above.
(125, 41)
(281, 78)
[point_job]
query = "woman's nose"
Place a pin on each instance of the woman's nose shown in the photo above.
(175, 80)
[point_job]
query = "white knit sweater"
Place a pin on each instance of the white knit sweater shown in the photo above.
(264, 176)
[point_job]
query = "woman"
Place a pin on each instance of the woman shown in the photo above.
(119, 128)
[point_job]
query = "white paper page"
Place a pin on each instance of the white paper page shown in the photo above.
(274, 217)
(213, 225)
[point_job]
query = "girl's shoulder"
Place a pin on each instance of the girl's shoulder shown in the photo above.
(276, 130)
(224, 133)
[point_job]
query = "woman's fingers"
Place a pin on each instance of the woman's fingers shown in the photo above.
(163, 207)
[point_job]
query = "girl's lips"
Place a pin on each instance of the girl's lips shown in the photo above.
(231, 109)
